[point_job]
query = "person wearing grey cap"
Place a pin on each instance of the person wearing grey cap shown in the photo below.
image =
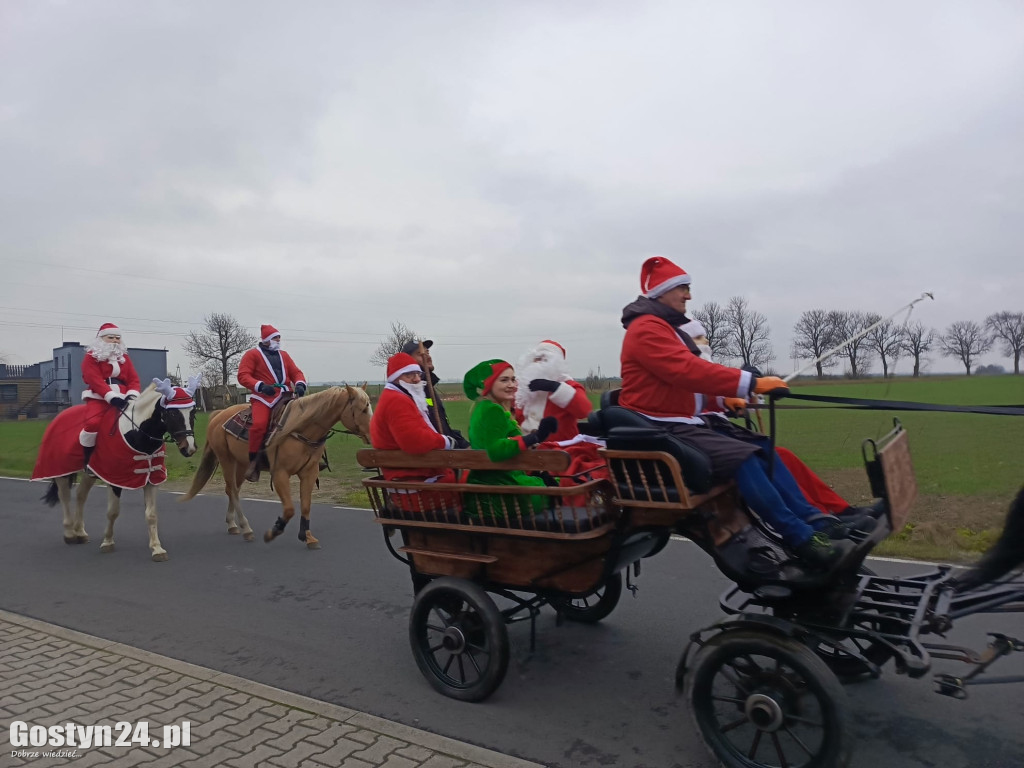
(420, 351)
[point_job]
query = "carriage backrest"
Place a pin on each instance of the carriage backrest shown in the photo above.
(891, 474)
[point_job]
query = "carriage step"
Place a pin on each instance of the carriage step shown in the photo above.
(449, 555)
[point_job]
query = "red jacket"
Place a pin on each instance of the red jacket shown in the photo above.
(660, 375)
(569, 403)
(97, 373)
(398, 425)
(254, 369)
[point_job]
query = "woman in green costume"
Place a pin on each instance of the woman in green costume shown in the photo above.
(492, 384)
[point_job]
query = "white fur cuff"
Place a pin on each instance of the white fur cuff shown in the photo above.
(563, 395)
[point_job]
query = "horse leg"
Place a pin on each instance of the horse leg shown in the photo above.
(159, 554)
(306, 481)
(88, 481)
(113, 510)
(72, 534)
(282, 484)
(234, 475)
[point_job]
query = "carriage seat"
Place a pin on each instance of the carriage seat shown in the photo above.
(694, 464)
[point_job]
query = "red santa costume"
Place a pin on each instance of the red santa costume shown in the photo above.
(108, 373)
(401, 423)
(268, 365)
(564, 399)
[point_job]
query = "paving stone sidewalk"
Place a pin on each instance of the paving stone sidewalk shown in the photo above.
(51, 676)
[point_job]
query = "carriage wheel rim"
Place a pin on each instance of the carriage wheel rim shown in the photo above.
(453, 640)
(765, 712)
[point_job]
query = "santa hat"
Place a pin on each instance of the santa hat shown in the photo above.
(180, 399)
(693, 329)
(267, 332)
(108, 329)
(658, 276)
(481, 377)
(552, 346)
(400, 364)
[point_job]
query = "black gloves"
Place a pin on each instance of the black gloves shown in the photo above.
(547, 427)
(543, 385)
(459, 440)
(266, 389)
(300, 389)
(118, 402)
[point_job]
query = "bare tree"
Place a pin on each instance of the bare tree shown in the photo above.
(749, 334)
(885, 340)
(846, 326)
(1008, 329)
(917, 342)
(716, 324)
(218, 347)
(392, 344)
(965, 340)
(813, 336)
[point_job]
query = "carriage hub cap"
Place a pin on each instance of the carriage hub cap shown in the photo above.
(764, 712)
(453, 641)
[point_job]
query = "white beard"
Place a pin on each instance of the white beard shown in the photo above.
(418, 392)
(106, 352)
(705, 352)
(537, 365)
(274, 345)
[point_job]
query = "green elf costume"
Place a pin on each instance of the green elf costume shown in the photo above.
(492, 429)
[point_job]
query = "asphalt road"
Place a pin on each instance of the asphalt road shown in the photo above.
(332, 624)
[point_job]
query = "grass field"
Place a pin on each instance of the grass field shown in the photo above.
(968, 466)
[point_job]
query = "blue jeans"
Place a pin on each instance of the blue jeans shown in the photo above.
(778, 500)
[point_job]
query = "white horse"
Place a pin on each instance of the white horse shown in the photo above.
(129, 454)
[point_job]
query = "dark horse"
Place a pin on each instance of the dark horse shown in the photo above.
(129, 454)
(1003, 556)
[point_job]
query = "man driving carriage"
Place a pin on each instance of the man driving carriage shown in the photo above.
(110, 380)
(268, 371)
(665, 380)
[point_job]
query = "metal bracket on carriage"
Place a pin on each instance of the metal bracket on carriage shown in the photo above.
(631, 572)
(1001, 645)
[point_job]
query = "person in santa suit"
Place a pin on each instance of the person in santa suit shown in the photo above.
(665, 379)
(401, 423)
(817, 491)
(420, 351)
(110, 380)
(268, 372)
(549, 391)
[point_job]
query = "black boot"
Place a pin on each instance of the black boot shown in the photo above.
(252, 474)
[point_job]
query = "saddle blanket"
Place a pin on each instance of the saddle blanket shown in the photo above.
(113, 461)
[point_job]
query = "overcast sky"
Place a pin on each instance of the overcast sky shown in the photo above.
(494, 173)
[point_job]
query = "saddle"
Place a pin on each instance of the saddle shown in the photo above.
(238, 426)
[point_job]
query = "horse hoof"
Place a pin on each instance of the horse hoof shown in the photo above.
(234, 530)
(312, 544)
(106, 548)
(71, 540)
(160, 557)
(269, 536)
(249, 536)
(83, 539)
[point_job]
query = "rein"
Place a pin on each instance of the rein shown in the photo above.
(861, 404)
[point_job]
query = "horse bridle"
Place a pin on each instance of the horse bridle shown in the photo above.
(168, 437)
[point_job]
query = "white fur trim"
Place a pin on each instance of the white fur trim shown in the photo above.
(550, 348)
(274, 335)
(411, 368)
(563, 395)
(114, 392)
(115, 331)
(449, 444)
(667, 286)
(87, 439)
(116, 368)
(131, 392)
(746, 381)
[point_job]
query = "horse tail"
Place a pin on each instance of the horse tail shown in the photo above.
(1003, 556)
(52, 495)
(206, 469)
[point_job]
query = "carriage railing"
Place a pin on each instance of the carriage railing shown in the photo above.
(583, 510)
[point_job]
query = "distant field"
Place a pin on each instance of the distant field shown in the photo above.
(968, 466)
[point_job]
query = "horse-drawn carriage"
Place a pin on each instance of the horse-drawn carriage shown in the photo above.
(763, 683)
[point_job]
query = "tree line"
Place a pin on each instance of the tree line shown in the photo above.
(737, 332)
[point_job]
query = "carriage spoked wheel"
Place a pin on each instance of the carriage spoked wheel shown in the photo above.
(459, 639)
(592, 607)
(762, 700)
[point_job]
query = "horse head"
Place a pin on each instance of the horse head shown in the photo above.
(177, 412)
(357, 412)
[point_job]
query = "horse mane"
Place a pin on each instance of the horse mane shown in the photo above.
(144, 405)
(304, 411)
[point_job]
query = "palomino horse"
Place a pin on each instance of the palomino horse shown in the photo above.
(295, 449)
(129, 454)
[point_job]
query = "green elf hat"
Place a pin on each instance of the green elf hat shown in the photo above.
(481, 377)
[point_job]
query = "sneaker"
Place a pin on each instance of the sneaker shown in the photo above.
(875, 511)
(821, 552)
(833, 528)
